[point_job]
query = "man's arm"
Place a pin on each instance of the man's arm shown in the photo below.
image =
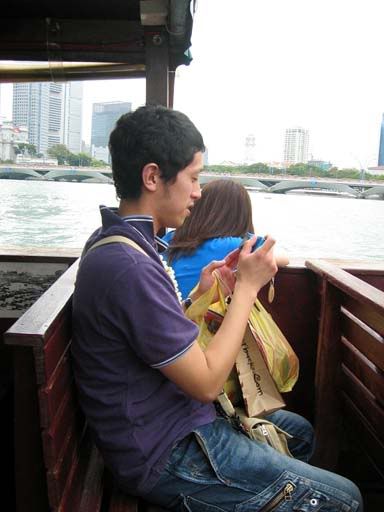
(202, 374)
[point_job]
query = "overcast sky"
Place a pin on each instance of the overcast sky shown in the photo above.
(311, 63)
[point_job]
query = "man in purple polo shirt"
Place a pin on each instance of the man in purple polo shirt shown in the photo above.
(144, 384)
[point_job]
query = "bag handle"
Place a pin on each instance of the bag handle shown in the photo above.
(199, 307)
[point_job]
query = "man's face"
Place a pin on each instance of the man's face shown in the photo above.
(176, 199)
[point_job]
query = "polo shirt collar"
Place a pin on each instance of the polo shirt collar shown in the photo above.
(143, 224)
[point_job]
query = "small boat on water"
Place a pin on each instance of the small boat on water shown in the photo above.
(332, 312)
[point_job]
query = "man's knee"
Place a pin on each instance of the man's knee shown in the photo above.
(302, 444)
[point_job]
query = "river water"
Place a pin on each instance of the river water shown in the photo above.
(63, 214)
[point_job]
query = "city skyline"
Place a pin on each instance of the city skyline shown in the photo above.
(51, 112)
(356, 162)
(301, 64)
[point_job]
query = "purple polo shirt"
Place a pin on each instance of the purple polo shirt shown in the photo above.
(127, 325)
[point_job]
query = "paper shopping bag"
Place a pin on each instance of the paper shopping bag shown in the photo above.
(259, 390)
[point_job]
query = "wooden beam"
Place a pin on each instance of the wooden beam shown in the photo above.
(72, 40)
(327, 380)
(171, 78)
(157, 67)
(68, 73)
(31, 491)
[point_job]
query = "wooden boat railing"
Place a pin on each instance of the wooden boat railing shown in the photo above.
(349, 381)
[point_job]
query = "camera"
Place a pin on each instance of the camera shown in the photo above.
(259, 242)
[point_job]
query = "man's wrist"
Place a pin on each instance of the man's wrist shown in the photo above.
(246, 291)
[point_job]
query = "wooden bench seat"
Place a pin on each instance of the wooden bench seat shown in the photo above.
(349, 379)
(57, 467)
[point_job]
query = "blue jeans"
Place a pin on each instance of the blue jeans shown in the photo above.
(302, 444)
(217, 468)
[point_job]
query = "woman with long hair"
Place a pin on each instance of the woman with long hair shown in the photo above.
(218, 223)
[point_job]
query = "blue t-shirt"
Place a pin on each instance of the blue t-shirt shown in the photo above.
(127, 324)
(187, 268)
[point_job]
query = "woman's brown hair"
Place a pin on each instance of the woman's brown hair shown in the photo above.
(224, 209)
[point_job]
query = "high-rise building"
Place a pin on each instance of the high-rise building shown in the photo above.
(381, 147)
(51, 112)
(72, 118)
(296, 145)
(104, 117)
(30, 109)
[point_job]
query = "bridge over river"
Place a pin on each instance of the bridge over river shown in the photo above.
(275, 184)
(284, 184)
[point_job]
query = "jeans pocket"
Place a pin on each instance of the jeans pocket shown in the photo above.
(210, 460)
(291, 493)
(273, 498)
(189, 461)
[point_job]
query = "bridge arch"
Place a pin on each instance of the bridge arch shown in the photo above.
(20, 174)
(243, 180)
(77, 175)
(287, 185)
(377, 190)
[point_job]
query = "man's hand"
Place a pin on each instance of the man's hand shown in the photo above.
(259, 266)
(256, 268)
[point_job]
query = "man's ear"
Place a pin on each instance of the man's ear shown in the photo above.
(151, 176)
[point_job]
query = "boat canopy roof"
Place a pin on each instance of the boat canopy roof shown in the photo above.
(61, 40)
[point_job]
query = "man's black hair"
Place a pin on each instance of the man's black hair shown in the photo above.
(155, 134)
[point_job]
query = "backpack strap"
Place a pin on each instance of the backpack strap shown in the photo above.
(117, 239)
(113, 239)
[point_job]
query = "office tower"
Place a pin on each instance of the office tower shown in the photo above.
(104, 117)
(296, 146)
(30, 109)
(51, 112)
(381, 147)
(72, 118)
